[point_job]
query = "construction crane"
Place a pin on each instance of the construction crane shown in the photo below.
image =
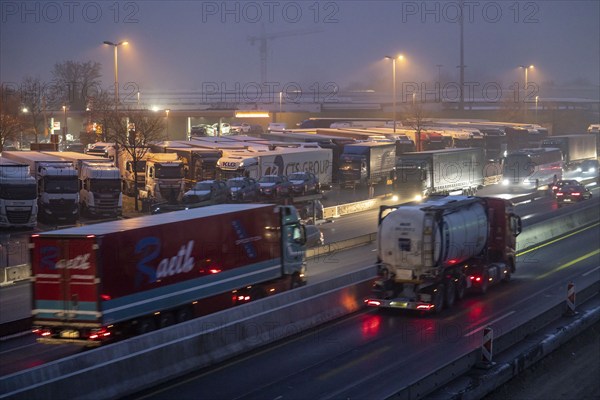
(262, 45)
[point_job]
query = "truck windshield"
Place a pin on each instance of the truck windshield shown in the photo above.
(169, 172)
(18, 191)
(61, 184)
(105, 185)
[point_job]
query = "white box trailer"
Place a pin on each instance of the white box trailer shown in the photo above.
(281, 161)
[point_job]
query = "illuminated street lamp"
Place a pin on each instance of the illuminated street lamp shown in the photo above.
(400, 57)
(64, 130)
(115, 45)
(167, 111)
(526, 68)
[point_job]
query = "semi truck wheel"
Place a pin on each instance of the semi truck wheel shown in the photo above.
(485, 281)
(438, 299)
(461, 286)
(450, 293)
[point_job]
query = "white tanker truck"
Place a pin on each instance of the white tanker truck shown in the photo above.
(431, 253)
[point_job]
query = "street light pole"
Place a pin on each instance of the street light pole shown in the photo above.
(115, 45)
(394, 84)
(536, 108)
(526, 68)
(64, 130)
(439, 67)
(167, 111)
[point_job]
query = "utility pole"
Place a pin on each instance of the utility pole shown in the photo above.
(461, 105)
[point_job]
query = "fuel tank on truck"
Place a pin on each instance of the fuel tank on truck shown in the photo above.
(437, 233)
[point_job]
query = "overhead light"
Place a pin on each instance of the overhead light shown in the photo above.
(252, 114)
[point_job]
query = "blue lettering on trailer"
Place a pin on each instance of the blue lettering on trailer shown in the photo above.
(244, 239)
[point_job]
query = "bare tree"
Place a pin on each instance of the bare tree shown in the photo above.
(11, 121)
(102, 109)
(76, 82)
(133, 131)
(415, 119)
(35, 96)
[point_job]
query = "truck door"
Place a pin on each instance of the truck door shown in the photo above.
(65, 287)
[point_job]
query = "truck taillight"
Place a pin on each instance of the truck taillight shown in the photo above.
(475, 278)
(425, 306)
(42, 332)
(99, 334)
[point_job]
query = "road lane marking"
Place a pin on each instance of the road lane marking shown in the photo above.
(490, 323)
(589, 272)
(567, 265)
(352, 363)
(557, 239)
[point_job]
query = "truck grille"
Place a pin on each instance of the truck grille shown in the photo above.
(18, 217)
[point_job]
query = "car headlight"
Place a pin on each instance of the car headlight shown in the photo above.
(505, 182)
(592, 169)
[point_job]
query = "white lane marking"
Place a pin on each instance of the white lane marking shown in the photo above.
(490, 323)
(590, 271)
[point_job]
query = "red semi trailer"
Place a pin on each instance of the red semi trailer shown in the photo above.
(95, 283)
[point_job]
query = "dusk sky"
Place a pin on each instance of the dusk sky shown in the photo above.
(182, 45)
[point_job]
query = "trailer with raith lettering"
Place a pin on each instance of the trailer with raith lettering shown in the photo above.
(95, 283)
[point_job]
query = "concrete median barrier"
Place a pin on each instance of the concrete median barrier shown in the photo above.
(151, 359)
(189, 346)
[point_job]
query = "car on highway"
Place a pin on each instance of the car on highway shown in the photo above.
(209, 192)
(563, 183)
(569, 194)
(304, 183)
(242, 189)
(274, 186)
(589, 169)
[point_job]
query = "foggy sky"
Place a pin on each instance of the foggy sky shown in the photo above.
(186, 44)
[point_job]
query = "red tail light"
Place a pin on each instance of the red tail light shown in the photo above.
(373, 302)
(559, 193)
(576, 194)
(425, 306)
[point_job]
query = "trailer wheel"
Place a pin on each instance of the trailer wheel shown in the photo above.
(450, 293)
(485, 281)
(438, 299)
(183, 314)
(166, 319)
(146, 325)
(296, 282)
(461, 287)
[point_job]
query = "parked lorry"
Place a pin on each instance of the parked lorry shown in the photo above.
(120, 278)
(198, 164)
(163, 178)
(366, 163)
(18, 195)
(420, 174)
(58, 191)
(99, 184)
(281, 161)
(574, 148)
(430, 254)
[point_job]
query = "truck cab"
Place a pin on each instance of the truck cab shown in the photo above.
(164, 178)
